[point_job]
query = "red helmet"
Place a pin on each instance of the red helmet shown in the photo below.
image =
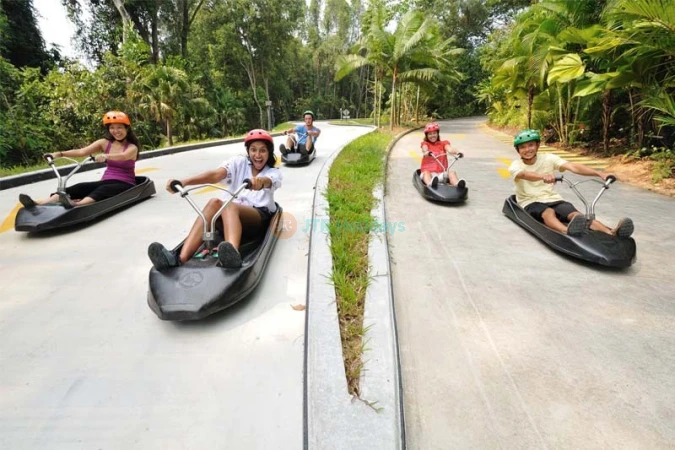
(258, 135)
(433, 126)
(116, 117)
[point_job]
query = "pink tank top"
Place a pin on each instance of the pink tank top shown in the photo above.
(120, 170)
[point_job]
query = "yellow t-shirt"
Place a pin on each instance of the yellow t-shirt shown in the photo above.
(528, 192)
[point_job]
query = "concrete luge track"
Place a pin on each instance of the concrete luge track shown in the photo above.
(86, 364)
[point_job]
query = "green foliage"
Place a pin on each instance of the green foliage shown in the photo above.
(605, 64)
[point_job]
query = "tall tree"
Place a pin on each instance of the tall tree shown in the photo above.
(22, 42)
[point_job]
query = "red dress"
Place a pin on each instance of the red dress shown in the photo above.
(429, 164)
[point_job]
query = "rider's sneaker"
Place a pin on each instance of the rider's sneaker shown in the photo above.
(26, 201)
(282, 149)
(434, 182)
(577, 225)
(624, 228)
(461, 183)
(162, 258)
(228, 256)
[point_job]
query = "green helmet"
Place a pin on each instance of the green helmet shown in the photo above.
(526, 136)
(308, 112)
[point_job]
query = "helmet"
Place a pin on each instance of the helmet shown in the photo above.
(258, 135)
(308, 112)
(433, 126)
(526, 136)
(116, 117)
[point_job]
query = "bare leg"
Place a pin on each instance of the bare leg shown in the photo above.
(234, 217)
(426, 177)
(53, 199)
(452, 178)
(290, 143)
(599, 226)
(551, 220)
(309, 145)
(84, 201)
(194, 239)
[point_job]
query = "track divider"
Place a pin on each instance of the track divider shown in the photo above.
(333, 419)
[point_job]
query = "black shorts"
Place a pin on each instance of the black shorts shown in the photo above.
(303, 150)
(97, 190)
(562, 210)
(265, 218)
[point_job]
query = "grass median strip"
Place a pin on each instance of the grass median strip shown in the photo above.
(354, 174)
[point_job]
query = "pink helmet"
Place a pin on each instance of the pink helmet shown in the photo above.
(258, 135)
(433, 126)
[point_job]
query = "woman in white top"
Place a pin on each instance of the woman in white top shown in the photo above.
(250, 213)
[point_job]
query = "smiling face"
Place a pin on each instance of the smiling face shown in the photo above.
(308, 120)
(432, 136)
(259, 154)
(528, 150)
(118, 131)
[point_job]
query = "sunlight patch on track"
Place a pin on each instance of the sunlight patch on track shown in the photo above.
(146, 170)
(504, 172)
(415, 155)
(8, 223)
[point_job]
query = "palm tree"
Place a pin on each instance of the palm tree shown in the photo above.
(164, 89)
(412, 53)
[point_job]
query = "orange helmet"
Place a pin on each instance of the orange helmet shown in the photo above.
(116, 117)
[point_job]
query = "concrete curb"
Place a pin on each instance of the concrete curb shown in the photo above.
(333, 418)
(46, 174)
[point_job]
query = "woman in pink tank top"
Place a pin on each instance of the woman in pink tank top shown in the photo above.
(119, 150)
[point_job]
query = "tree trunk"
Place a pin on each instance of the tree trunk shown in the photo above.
(561, 117)
(185, 26)
(632, 116)
(379, 101)
(606, 118)
(126, 18)
(530, 101)
(375, 121)
(168, 131)
(393, 99)
(155, 39)
(417, 106)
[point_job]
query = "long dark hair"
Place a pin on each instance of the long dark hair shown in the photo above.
(271, 159)
(131, 137)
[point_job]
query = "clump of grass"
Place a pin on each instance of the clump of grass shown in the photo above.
(352, 177)
(283, 126)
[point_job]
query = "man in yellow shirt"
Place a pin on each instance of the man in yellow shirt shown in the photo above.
(534, 179)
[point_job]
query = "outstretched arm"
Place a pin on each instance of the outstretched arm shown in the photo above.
(534, 176)
(448, 149)
(98, 146)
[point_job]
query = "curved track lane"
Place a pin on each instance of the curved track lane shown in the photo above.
(87, 364)
(507, 344)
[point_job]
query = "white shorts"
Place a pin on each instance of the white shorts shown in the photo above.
(440, 175)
